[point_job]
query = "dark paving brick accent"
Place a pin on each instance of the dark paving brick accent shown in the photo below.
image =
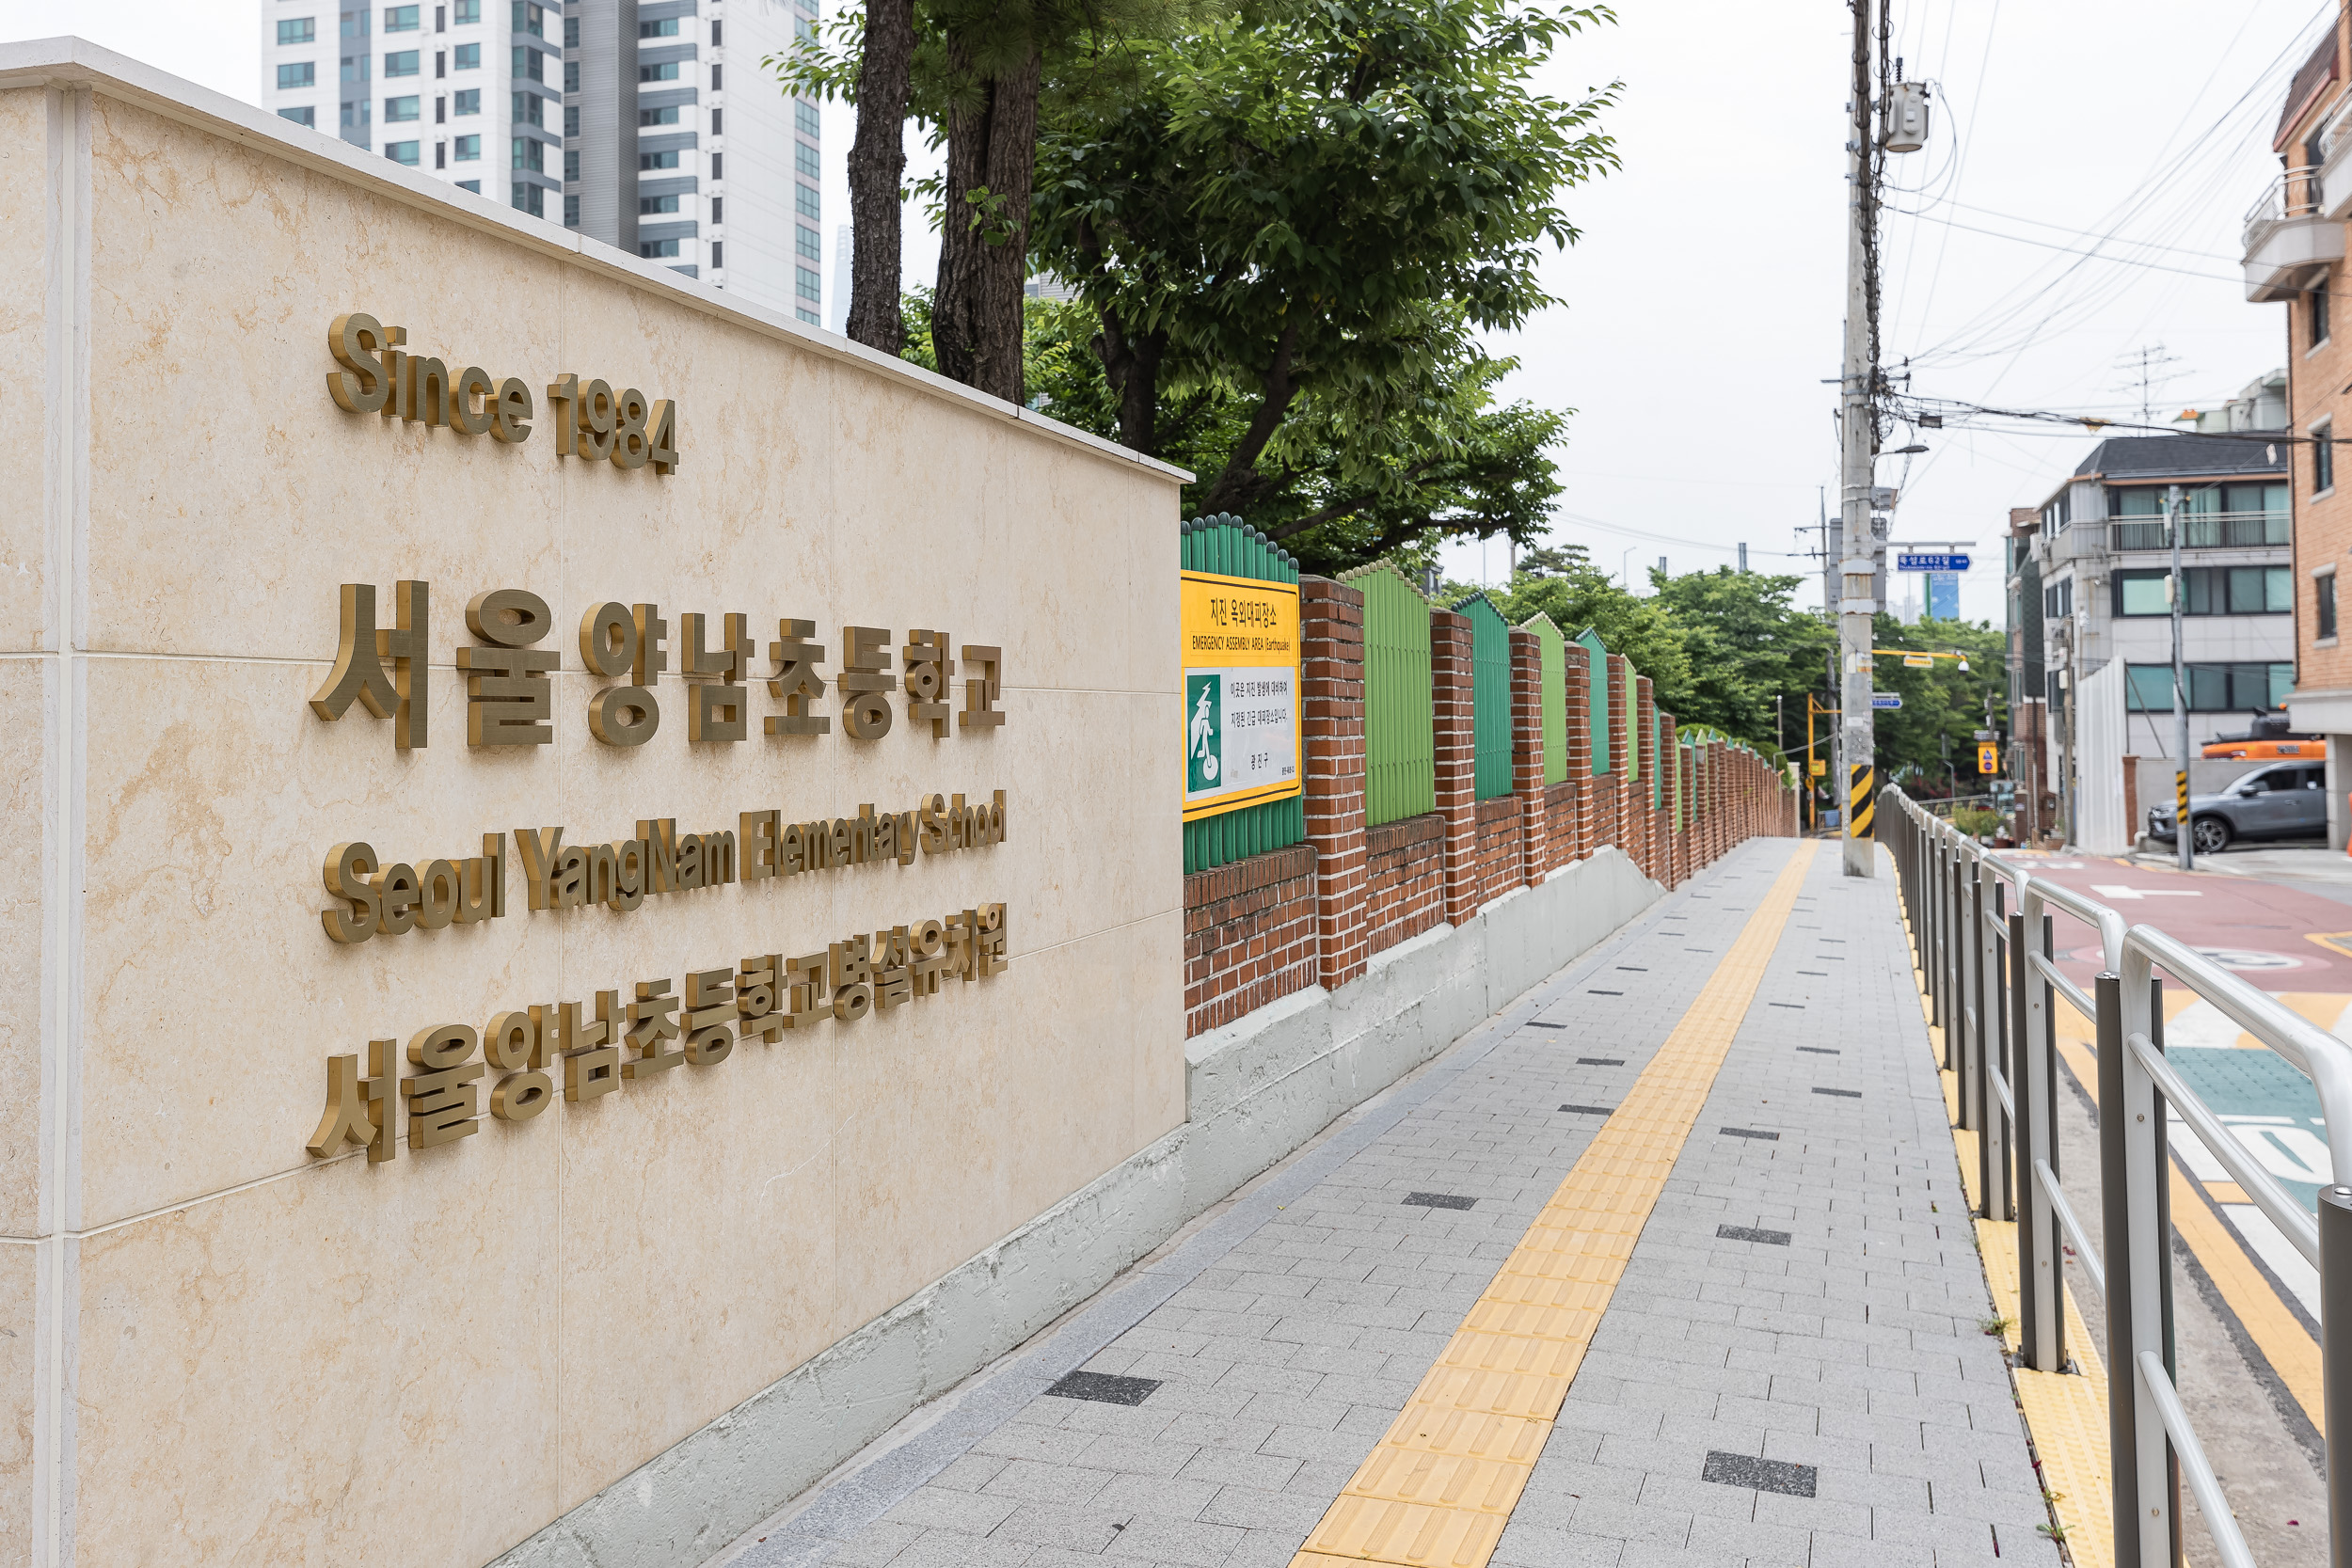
(1589, 1110)
(1601, 1061)
(1439, 1201)
(1759, 1475)
(1792, 1006)
(1103, 1388)
(1539, 1024)
(1750, 1133)
(1749, 1233)
(1819, 1051)
(1841, 1094)
(1591, 991)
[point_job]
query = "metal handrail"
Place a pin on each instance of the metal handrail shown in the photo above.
(1990, 973)
(2085, 1254)
(2271, 1198)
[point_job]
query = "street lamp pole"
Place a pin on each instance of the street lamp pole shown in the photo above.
(2179, 596)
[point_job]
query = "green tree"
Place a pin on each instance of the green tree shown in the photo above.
(1748, 644)
(1921, 744)
(1290, 228)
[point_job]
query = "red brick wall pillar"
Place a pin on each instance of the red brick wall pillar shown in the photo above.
(1579, 778)
(1527, 753)
(1331, 656)
(1645, 710)
(1669, 848)
(1620, 736)
(1456, 744)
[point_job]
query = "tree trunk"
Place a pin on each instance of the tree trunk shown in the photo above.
(1240, 483)
(992, 153)
(878, 161)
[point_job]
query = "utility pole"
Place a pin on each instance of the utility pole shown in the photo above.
(2178, 593)
(1858, 450)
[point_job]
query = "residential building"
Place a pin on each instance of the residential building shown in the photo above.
(2028, 762)
(2294, 256)
(2097, 556)
(468, 91)
(612, 117)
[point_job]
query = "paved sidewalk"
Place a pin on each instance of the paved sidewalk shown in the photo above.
(1789, 1372)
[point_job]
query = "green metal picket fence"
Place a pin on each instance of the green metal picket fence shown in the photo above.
(1490, 694)
(1554, 647)
(1400, 744)
(1223, 544)
(1597, 695)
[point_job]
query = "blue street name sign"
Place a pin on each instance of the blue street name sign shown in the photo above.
(1905, 561)
(1886, 699)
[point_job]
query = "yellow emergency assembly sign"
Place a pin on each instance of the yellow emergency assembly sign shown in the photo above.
(1988, 757)
(1242, 735)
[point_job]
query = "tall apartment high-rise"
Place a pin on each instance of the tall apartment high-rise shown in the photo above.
(469, 92)
(610, 115)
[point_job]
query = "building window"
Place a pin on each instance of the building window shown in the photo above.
(2323, 459)
(2324, 596)
(571, 76)
(440, 110)
(806, 284)
(804, 30)
(440, 64)
(718, 165)
(529, 19)
(807, 202)
(666, 28)
(464, 12)
(400, 63)
(571, 118)
(571, 165)
(808, 316)
(400, 19)
(303, 75)
(717, 119)
(531, 153)
(2212, 687)
(2212, 591)
(529, 109)
(301, 117)
(717, 254)
(657, 159)
(571, 212)
(665, 72)
(718, 77)
(465, 56)
(571, 32)
(718, 36)
(658, 116)
(466, 150)
(804, 118)
(527, 66)
(301, 29)
(466, 103)
(648, 205)
(531, 199)
(808, 244)
(717, 210)
(401, 108)
(804, 161)
(657, 250)
(402, 152)
(2317, 302)
(440, 19)
(473, 186)
(440, 154)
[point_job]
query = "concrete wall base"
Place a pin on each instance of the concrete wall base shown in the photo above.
(1257, 1090)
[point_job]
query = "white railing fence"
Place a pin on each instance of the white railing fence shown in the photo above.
(1992, 987)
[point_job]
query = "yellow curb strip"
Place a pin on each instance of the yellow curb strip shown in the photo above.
(2066, 1413)
(1439, 1488)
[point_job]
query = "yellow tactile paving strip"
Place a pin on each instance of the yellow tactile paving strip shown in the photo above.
(1439, 1488)
(2066, 1413)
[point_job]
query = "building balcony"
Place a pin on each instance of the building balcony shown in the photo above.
(2210, 531)
(2334, 197)
(2288, 236)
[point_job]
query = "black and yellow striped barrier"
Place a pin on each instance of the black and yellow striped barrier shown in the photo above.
(1861, 798)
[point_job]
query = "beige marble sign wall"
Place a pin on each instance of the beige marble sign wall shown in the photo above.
(216, 1348)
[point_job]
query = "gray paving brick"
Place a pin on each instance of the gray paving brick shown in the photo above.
(1154, 1539)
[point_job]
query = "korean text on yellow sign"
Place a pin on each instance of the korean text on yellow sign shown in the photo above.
(1240, 659)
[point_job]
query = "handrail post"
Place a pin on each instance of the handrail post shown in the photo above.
(2042, 1323)
(2335, 1302)
(1971, 1009)
(2134, 1174)
(1992, 1038)
(2115, 1247)
(2160, 1137)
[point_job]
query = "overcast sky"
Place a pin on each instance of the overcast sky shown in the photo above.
(1700, 311)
